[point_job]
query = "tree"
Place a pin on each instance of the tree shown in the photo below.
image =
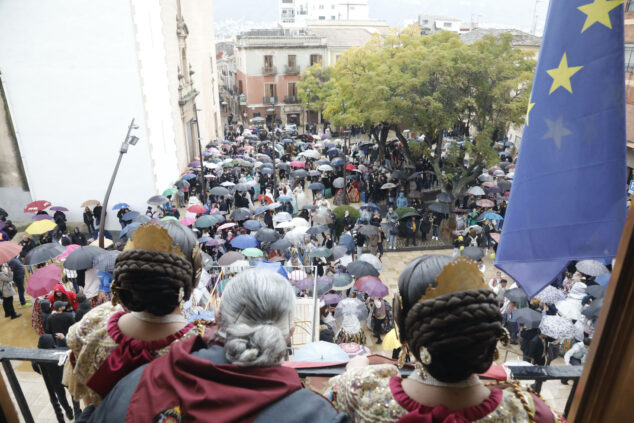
(314, 86)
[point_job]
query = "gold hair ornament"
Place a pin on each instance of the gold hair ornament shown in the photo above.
(152, 236)
(462, 274)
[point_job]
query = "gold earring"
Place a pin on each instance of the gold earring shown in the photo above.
(402, 356)
(425, 356)
(181, 303)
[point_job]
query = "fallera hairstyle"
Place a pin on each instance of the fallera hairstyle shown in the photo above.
(460, 329)
(156, 281)
(256, 316)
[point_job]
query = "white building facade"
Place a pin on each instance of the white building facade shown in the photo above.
(74, 73)
(295, 13)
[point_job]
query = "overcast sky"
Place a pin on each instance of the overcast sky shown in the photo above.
(499, 13)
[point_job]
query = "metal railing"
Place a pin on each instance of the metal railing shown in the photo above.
(38, 357)
(291, 70)
(269, 100)
(291, 99)
(269, 70)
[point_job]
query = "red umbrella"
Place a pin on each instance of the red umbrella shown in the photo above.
(507, 194)
(297, 163)
(350, 166)
(264, 199)
(43, 280)
(196, 208)
(485, 203)
(36, 206)
(8, 250)
(359, 282)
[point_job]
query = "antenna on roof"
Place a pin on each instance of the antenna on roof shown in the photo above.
(534, 26)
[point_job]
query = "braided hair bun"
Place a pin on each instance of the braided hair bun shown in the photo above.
(459, 329)
(157, 281)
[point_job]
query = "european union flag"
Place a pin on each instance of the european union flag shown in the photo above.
(568, 197)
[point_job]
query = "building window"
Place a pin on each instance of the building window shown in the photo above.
(287, 1)
(447, 25)
(315, 58)
(292, 89)
(288, 13)
(332, 6)
(321, 6)
(322, 18)
(332, 18)
(629, 57)
(425, 21)
(292, 61)
(268, 61)
(630, 6)
(240, 90)
(269, 90)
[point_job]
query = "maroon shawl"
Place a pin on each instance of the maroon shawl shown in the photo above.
(203, 391)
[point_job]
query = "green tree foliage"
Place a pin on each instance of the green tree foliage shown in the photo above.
(429, 84)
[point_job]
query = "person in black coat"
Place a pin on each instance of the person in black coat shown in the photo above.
(58, 323)
(88, 220)
(96, 212)
(84, 307)
(77, 237)
(268, 219)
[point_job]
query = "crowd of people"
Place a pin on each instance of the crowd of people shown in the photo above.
(200, 290)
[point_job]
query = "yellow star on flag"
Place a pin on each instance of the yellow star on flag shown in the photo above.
(598, 11)
(528, 111)
(562, 74)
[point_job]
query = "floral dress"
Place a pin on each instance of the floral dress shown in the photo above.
(375, 394)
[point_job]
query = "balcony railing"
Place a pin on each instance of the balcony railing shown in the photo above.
(291, 70)
(269, 70)
(269, 100)
(291, 99)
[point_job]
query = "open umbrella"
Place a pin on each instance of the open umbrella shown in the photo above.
(388, 185)
(69, 249)
(330, 299)
(324, 284)
(36, 206)
(352, 306)
(550, 295)
(244, 241)
(490, 216)
(321, 352)
(121, 206)
(43, 253)
(485, 203)
(241, 214)
(157, 200)
(375, 288)
(316, 186)
(557, 327)
(347, 241)
(321, 252)
(169, 192)
(105, 261)
(297, 164)
(445, 197)
(528, 317)
(339, 183)
(505, 185)
(281, 244)
(390, 341)
(229, 258)
(37, 217)
(325, 168)
(603, 279)
(206, 221)
(476, 190)
(587, 267)
(90, 203)
(43, 280)
(361, 268)
(252, 252)
(596, 291)
(239, 266)
(341, 281)
(188, 221)
(437, 207)
(59, 208)
(219, 191)
(9, 250)
(197, 209)
(227, 225)
(339, 251)
(131, 215)
(82, 258)
(282, 217)
(358, 284)
(252, 225)
(474, 253)
(369, 230)
(516, 295)
(318, 229)
(267, 235)
(304, 284)
(592, 311)
(40, 227)
(372, 259)
(410, 215)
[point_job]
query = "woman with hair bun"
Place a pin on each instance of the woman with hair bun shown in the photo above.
(450, 322)
(154, 274)
(238, 377)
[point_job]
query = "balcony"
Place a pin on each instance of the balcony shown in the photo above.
(269, 70)
(291, 70)
(291, 99)
(269, 100)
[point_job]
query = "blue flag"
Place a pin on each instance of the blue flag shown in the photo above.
(568, 200)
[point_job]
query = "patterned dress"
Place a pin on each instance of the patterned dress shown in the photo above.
(96, 341)
(374, 394)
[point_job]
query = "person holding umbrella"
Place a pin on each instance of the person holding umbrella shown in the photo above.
(96, 212)
(411, 227)
(89, 220)
(6, 288)
(392, 220)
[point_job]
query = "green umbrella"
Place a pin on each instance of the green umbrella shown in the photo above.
(170, 218)
(206, 221)
(321, 252)
(169, 192)
(252, 252)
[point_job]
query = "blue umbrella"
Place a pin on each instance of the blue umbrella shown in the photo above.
(490, 216)
(371, 206)
(317, 186)
(347, 241)
(603, 279)
(274, 266)
(333, 151)
(204, 239)
(252, 225)
(284, 199)
(129, 229)
(260, 210)
(329, 144)
(266, 171)
(244, 241)
(288, 141)
(121, 206)
(337, 162)
(189, 176)
(131, 215)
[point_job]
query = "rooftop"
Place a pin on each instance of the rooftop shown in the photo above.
(520, 38)
(438, 18)
(272, 38)
(343, 37)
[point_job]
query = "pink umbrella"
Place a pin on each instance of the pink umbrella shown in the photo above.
(196, 208)
(489, 184)
(297, 163)
(485, 203)
(376, 289)
(227, 225)
(69, 249)
(188, 220)
(43, 280)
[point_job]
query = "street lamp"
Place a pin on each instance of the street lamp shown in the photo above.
(346, 137)
(128, 141)
(200, 153)
(307, 108)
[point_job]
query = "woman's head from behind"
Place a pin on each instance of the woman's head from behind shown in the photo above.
(446, 309)
(256, 318)
(158, 268)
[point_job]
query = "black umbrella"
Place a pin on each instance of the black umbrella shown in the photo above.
(592, 311)
(241, 214)
(369, 230)
(442, 208)
(280, 244)
(181, 183)
(267, 235)
(220, 191)
(474, 253)
(318, 229)
(301, 173)
(105, 261)
(399, 174)
(317, 186)
(596, 291)
(361, 268)
(44, 253)
(528, 317)
(505, 185)
(339, 251)
(82, 258)
(310, 207)
(445, 197)
(516, 295)
(410, 215)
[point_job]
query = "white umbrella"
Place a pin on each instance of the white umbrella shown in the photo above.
(227, 184)
(325, 168)
(550, 295)
(298, 275)
(298, 221)
(284, 225)
(321, 352)
(388, 185)
(352, 306)
(475, 191)
(372, 259)
(569, 308)
(498, 172)
(238, 266)
(591, 267)
(282, 217)
(313, 154)
(557, 327)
